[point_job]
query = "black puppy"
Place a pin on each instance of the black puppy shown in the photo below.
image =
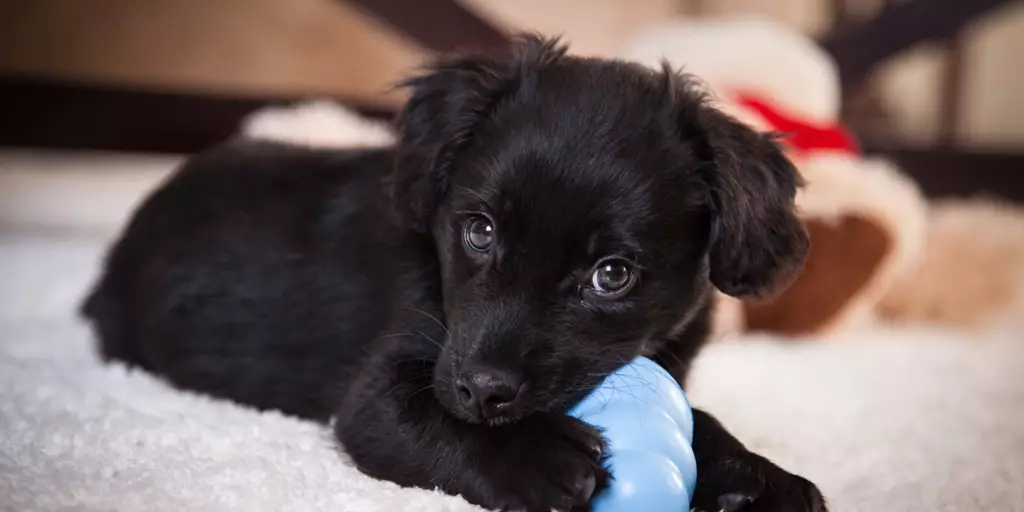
(542, 220)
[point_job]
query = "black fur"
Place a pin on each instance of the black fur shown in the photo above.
(340, 283)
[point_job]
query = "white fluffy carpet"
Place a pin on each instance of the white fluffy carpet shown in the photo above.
(886, 420)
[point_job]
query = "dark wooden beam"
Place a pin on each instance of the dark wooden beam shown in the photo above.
(860, 47)
(839, 14)
(953, 172)
(39, 113)
(59, 114)
(951, 92)
(437, 25)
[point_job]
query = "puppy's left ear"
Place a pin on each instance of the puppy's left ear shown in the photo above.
(448, 102)
(758, 245)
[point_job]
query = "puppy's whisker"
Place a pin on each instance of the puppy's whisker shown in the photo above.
(432, 340)
(393, 335)
(396, 386)
(418, 391)
(410, 335)
(413, 359)
(432, 317)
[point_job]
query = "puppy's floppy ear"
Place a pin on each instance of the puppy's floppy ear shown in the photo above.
(757, 243)
(448, 101)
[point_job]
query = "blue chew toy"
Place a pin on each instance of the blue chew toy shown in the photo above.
(649, 427)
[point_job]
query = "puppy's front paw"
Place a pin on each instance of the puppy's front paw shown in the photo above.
(543, 463)
(751, 483)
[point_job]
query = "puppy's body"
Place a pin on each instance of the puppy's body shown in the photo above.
(446, 301)
(262, 273)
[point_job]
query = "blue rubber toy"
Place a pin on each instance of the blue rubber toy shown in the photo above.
(649, 427)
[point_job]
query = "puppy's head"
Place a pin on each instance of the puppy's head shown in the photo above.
(582, 210)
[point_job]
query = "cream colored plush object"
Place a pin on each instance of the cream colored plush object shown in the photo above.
(866, 220)
(784, 64)
(868, 223)
(729, 319)
(317, 123)
(972, 272)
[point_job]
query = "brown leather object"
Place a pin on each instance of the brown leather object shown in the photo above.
(844, 257)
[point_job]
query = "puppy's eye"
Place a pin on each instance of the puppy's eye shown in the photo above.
(612, 278)
(479, 234)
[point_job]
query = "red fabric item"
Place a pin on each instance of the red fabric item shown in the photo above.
(798, 133)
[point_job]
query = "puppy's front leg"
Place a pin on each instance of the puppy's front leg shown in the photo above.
(731, 478)
(394, 428)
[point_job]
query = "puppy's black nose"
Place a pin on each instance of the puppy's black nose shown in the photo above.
(487, 391)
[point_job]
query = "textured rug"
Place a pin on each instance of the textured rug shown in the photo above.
(883, 420)
(886, 420)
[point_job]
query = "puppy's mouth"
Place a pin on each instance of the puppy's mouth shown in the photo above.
(476, 418)
(493, 422)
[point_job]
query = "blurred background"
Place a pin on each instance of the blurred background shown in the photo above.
(914, 72)
(889, 372)
(931, 83)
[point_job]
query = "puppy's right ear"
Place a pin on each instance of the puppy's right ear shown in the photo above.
(448, 101)
(757, 243)
(760, 245)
